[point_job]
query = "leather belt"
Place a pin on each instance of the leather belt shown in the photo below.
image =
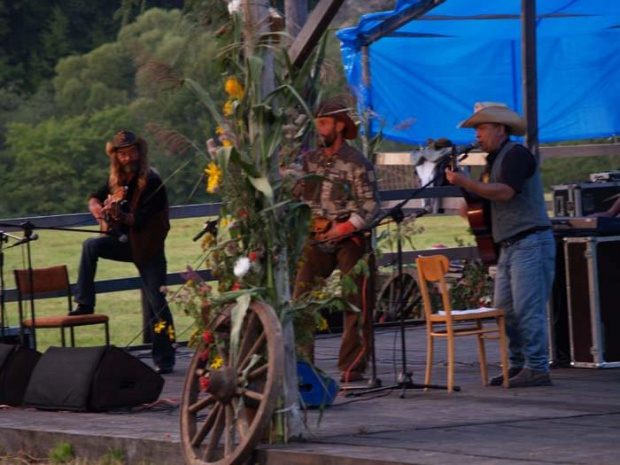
(522, 235)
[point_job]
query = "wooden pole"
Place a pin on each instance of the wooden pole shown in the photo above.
(529, 73)
(256, 27)
(296, 13)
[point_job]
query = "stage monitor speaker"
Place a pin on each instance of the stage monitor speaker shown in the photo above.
(16, 366)
(91, 379)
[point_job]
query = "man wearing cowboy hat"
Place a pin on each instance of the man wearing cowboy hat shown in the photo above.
(343, 201)
(136, 227)
(522, 229)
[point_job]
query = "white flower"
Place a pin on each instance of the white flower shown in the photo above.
(242, 267)
(234, 6)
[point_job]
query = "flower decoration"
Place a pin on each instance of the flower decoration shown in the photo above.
(217, 363)
(234, 88)
(214, 174)
(242, 267)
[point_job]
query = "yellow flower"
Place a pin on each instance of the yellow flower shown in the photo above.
(225, 221)
(219, 130)
(208, 241)
(234, 88)
(228, 108)
(217, 362)
(171, 333)
(159, 327)
(189, 282)
(215, 177)
(322, 324)
(226, 143)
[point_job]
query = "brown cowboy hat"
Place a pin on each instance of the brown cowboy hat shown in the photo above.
(340, 112)
(124, 139)
(499, 113)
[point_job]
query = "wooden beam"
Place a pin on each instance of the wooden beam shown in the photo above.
(309, 36)
(593, 150)
(389, 25)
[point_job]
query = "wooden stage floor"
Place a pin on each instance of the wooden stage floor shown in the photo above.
(576, 421)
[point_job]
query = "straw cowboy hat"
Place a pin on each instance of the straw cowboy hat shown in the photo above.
(124, 139)
(341, 113)
(492, 112)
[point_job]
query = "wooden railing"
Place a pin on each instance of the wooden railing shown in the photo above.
(210, 210)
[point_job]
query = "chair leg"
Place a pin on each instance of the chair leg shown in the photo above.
(503, 343)
(429, 358)
(62, 336)
(482, 357)
(72, 337)
(450, 363)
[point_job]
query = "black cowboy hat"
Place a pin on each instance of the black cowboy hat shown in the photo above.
(340, 112)
(124, 139)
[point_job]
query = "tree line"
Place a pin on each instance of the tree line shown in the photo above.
(73, 72)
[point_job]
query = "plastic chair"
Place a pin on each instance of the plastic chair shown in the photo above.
(52, 279)
(449, 324)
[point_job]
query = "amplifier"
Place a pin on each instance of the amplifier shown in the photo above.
(592, 277)
(583, 199)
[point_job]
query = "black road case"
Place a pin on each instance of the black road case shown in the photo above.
(593, 294)
(584, 198)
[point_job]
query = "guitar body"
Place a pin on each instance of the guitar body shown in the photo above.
(479, 217)
(107, 223)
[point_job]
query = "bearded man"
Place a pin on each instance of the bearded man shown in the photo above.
(132, 208)
(344, 201)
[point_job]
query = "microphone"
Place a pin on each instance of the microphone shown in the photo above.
(23, 240)
(466, 148)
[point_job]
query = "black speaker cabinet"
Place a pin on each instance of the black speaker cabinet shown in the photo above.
(16, 366)
(592, 278)
(91, 379)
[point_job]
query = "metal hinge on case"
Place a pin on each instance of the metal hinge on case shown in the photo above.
(593, 351)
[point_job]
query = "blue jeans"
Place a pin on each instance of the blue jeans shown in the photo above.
(525, 273)
(153, 276)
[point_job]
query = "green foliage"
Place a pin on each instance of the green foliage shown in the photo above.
(34, 180)
(61, 453)
(576, 169)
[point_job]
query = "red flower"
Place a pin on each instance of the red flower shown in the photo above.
(204, 355)
(204, 383)
(207, 337)
(243, 213)
(236, 287)
(252, 256)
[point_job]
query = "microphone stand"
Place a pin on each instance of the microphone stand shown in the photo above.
(4, 237)
(405, 379)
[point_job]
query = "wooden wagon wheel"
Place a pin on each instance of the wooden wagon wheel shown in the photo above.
(224, 424)
(387, 308)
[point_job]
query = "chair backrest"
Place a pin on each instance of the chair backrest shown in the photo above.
(432, 269)
(48, 279)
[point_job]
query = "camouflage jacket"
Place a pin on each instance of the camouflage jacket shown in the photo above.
(348, 189)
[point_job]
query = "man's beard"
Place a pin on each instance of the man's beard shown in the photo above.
(130, 167)
(327, 141)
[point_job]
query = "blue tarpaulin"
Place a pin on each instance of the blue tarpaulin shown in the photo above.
(426, 75)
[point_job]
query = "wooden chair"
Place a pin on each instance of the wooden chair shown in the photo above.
(449, 324)
(52, 279)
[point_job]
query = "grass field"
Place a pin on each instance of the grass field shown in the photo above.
(124, 308)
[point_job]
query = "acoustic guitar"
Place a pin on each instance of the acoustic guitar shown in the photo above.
(479, 217)
(108, 224)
